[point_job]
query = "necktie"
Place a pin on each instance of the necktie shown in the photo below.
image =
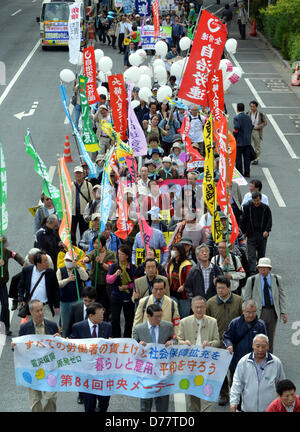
(94, 334)
(267, 294)
(152, 332)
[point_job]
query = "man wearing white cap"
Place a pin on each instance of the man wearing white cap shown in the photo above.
(168, 171)
(104, 140)
(267, 291)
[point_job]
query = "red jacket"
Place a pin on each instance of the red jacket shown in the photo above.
(276, 406)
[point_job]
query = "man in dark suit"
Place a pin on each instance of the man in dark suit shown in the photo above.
(154, 330)
(93, 327)
(242, 132)
(78, 313)
(39, 325)
(47, 290)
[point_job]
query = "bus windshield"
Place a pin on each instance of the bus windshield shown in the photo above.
(56, 12)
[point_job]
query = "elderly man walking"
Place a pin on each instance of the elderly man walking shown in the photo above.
(267, 291)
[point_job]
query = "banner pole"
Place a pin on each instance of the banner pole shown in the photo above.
(67, 223)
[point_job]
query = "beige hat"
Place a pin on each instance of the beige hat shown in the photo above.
(264, 262)
(78, 169)
(97, 186)
(95, 216)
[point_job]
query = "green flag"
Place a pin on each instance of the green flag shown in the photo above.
(41, 169)
(89, 138)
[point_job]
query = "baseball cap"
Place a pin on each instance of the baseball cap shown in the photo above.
(95, 216)
(78, 168)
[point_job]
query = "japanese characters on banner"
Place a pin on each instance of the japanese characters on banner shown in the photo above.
(106, 196)
(89, 137)
(74, 32)
(209, 189)
(65, 184)
(145, 229)
(89, 65)
(226, 173)
(137, 139)
(195, 159)
(155, 12)
(124, 226)
(118, 103)
(204, 58)
(215, 93)
(118, 366)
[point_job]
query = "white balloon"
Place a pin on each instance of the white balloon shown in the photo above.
(144, 81)
(177, 69)
(185, 43)
(101, 76)
(98, 54)
(142, 53)
(160, 73)
(163, 92)
(134, 59)
(105, 64)
(67, 76)
(231, 46)
(161, 48)
(102, 90)
(158, 62)
(146, 70)
(132, 74)
(145, 94)
(135, 103)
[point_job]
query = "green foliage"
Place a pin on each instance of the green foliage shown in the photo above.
(294, 48)
(280, 23)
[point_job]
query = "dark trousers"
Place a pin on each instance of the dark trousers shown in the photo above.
(113, 41)
(243, 155)
(166, 147)
(4, 317)
(128, 310)
(161, 404)
(256, 245)
(83, 226)
(120, 42)
(242, 29)
(90, 401)
(268, 315)
(103, 298)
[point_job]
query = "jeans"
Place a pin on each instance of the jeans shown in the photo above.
(77, 115)
(128, 310)
(161, 404)
(184, 306)
(65, 310)
(4, 317)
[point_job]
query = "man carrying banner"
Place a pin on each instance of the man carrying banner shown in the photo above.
(199, 329)
(156, 331)
(39, 325)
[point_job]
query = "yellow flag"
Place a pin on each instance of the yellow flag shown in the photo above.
(209, 188)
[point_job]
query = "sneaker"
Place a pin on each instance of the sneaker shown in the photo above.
(255, 162)
(80, 399)
(14, 305)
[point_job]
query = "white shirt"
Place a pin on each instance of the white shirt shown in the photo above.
(40, 291)
(92, 327)
(156, 331)
(199, 324)
(196, 130)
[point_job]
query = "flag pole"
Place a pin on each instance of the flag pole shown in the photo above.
(67, 224)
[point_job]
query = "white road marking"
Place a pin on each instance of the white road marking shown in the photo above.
(282, 137)
(179, 402)
(15, 13)
(279, 90)
(273, 187)
(253, 62)
(255, 94)
(18, 73)
(71, 108)
(234, 106)
(291, 133)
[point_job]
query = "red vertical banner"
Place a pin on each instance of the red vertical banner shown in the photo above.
(215, 93)
(90, 71)
(155, 12)
(227, 152)
(205, 56)
(118, 103)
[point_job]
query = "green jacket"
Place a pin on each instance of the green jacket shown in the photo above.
(110, 257)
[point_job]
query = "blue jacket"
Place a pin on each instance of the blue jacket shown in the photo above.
(81, 330)
(242, 131)
(157, 241)
(241, 337)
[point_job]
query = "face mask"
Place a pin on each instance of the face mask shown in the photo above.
(68, 264)
(173, 254)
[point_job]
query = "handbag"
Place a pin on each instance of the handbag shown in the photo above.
(253, 155)
(23, 310)
(74, 99)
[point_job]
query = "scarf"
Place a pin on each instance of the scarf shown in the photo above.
(178, 236)
(126, 280)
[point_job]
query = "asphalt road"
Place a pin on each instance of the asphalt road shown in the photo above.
(32, 79)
